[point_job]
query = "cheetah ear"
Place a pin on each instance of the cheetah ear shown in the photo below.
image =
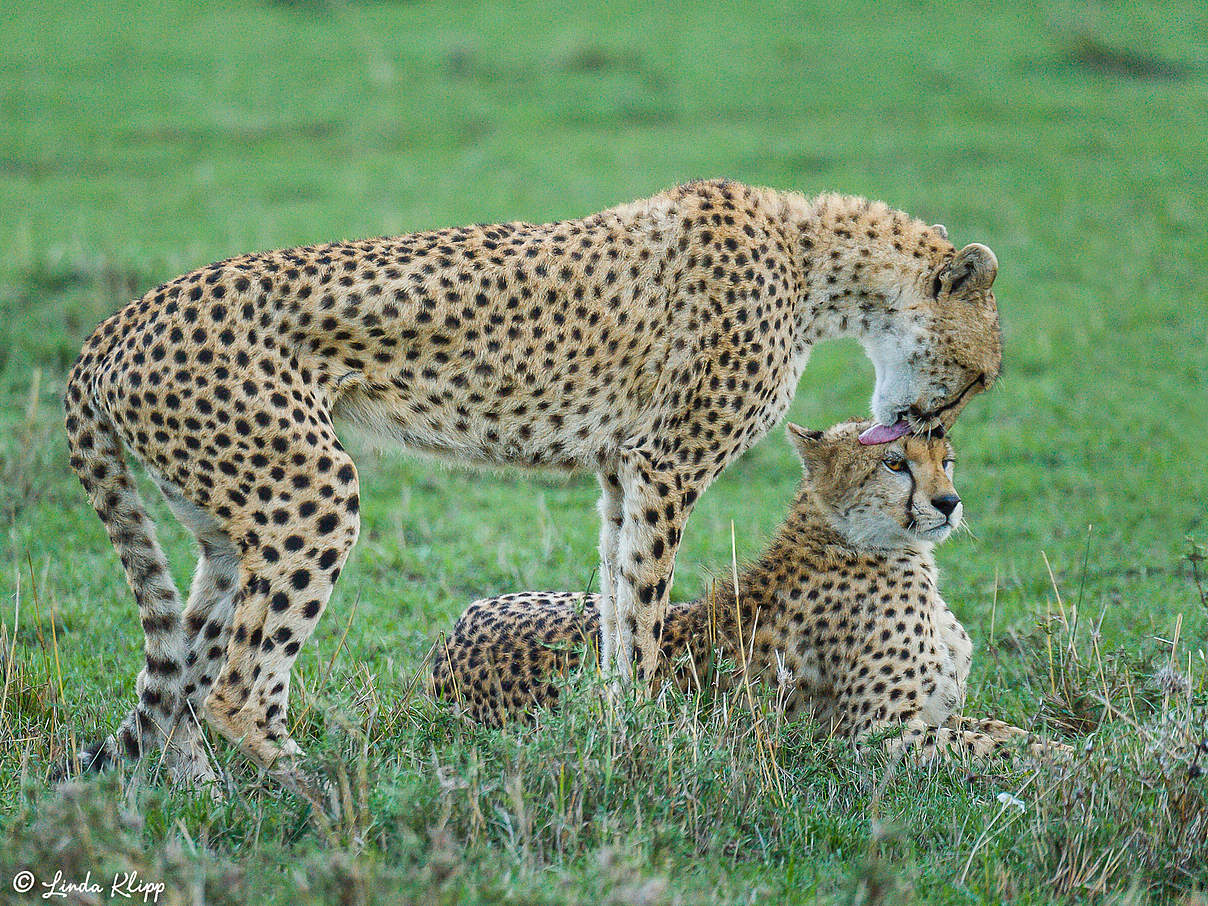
(941, 229)
(972, 270)
(807, 443)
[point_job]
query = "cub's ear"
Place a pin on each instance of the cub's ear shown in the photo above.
(807, 443)
(941, 229)
(972, 270)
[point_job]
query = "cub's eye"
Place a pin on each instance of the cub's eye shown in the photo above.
(894, 465)
(949, 463)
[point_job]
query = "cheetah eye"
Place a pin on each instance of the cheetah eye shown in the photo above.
(895, 464)
(949, 463)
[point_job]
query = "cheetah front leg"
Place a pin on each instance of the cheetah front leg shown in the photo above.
(968, 738)
(655, 506)
(610, 540)
(896, 704)
(1010, 736)
(920, 739)
(959, 646)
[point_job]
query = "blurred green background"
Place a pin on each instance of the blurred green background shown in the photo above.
(140, 141)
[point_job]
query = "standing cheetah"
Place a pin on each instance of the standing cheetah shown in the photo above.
(651, 343)
(841, 614)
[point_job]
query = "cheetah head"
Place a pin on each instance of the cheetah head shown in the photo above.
(943, 344)
(881, 497)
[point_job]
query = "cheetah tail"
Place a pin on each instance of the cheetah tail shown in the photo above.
(98, 460)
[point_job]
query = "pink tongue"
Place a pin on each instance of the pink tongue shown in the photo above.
(883, 434)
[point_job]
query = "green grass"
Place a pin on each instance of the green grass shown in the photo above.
(139, 142)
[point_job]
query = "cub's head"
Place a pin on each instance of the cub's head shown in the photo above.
(881, 497)
(943, 343)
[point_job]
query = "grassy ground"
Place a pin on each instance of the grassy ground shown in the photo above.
(136, 143)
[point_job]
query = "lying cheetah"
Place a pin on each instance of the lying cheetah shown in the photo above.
(651, 343)
(842, 613)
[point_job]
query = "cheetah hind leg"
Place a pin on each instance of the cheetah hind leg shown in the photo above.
(207, 624)
(207, 621)
(246, 701)
(288, 572)
(207, 618)
(159, 718)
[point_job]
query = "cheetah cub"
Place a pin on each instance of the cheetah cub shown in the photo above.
(842, 613)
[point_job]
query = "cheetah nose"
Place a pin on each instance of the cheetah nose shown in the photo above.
(945, 503)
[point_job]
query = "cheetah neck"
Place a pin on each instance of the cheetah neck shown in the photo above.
(854, 264)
